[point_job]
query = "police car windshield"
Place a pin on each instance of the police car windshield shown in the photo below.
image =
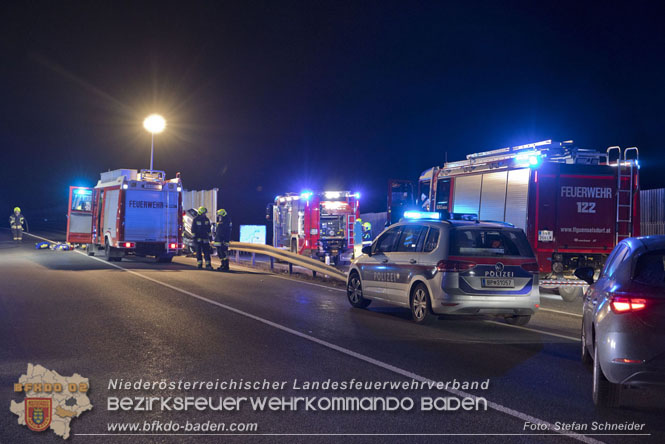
(489, 242)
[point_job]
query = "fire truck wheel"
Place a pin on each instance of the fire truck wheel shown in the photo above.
(517, 320)
(569, 293)
(111, 253)
(354, 291)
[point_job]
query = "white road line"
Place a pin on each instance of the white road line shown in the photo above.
(407, 374)
(571, 338)
(560, 312)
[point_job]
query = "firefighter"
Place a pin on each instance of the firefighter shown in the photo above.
(367, 233)
(201, 232)
(16, 222)
(222, 238)
(357, 238)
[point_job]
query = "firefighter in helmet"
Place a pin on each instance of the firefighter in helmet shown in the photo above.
(201, 232)
(222, 238)
(367, 233)
(17, 222)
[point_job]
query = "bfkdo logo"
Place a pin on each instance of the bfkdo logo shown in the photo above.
(38, 413)
(51, 400)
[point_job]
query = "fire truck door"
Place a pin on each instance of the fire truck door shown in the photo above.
(400, 199)
(79, 215)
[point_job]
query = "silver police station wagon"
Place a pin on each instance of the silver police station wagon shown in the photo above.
(437, 267)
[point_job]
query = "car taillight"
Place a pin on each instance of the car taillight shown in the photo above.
(454, 266)
(127, 244)
(531, 267)
(173, 246)
(622, 304)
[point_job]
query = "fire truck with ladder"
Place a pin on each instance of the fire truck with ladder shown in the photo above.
(574, 204)
(317, 224)
(128, 213)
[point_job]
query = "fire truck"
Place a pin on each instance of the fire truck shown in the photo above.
(574, 204)
(315, 224)
(128, 213)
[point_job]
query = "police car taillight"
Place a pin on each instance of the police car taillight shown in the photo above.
(454, 266)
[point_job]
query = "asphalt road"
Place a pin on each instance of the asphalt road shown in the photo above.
(140, 320)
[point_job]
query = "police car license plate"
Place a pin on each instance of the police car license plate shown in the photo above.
(498, 283)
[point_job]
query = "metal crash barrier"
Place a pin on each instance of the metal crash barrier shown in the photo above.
(291, 258)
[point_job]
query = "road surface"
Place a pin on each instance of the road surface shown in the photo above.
(137, 320)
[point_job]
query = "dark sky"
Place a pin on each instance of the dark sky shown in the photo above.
(267, 97)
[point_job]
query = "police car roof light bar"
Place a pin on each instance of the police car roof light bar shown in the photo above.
(422, 215)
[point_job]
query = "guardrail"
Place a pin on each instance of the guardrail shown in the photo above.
(291, 258)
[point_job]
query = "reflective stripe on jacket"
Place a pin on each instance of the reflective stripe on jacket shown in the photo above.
(16, 222)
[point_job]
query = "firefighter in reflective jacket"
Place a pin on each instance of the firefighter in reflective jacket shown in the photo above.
(222, 238)
(201, 232)
(367, 233)
(17, 222)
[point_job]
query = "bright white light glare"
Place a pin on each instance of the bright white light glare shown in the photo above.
(421, 215)
(335, 205)
(125, 186)
(154, 123)
(332, 194)
(179, 189)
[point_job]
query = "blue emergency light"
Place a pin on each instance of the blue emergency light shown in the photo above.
(422, 215)
(306, 195)
(82, 191)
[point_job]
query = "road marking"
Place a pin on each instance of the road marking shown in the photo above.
(560, 312)
(407, 374)
(571, 338)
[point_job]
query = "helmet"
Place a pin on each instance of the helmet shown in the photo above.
(359, 220)
(221, 212)
(367, 226)
(17, 210)
(203, 210)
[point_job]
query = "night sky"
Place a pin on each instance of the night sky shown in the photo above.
(263, 98)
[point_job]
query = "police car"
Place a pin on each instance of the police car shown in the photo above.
(437, 267)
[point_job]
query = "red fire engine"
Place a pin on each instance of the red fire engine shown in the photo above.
(128, 212)
(315, 224)
(574, 204)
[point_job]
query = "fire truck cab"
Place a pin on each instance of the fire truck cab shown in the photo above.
(315, 224)
(128, 213)
(574, 204)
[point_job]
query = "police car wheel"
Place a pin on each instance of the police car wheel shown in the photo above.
(354, 292)
(518, 320)
(421, 308)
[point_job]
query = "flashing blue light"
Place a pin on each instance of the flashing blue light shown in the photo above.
(535, 161)
(357, 195)
(306, 195)
(82, 191)
(422, 215)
